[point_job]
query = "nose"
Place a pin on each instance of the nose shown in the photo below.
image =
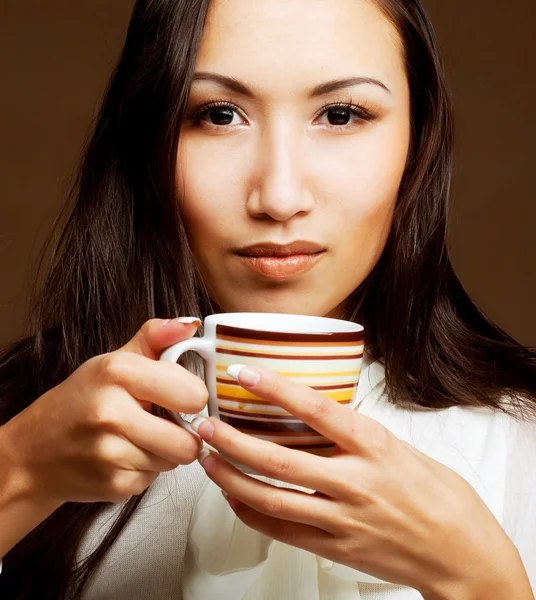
(279, 192)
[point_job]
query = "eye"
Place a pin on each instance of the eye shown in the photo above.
(220, 115)
(338, 116)
(216, 114)
(341, 115)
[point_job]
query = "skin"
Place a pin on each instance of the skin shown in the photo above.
(282, 171)
(279, 170)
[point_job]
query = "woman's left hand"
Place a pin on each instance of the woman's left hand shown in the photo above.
(381, 506)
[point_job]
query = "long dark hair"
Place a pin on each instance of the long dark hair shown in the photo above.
(108, 266)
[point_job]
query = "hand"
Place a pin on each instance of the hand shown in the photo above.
(381, 506)
(93, 437)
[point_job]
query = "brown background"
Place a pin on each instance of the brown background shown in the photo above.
(56, 56)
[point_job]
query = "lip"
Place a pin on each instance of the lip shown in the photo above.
(281, 250)
(278, 262)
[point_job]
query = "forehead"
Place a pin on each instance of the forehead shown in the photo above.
(277, 43)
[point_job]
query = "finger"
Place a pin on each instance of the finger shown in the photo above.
(166, 384)
(143, 460)
(308, 538)
(161, 437)
(122, 453)
(275, 461)
(348, 429)
(280, 503)
(157, 334)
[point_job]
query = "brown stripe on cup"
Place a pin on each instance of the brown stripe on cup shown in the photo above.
(251, 426)
(288, 356)
(290, 338)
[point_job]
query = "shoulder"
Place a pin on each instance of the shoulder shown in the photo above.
(459, 435)
(466, 439)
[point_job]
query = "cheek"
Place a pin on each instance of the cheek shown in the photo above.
(360, 181)
(208, 184)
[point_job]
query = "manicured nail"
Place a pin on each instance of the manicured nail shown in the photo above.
(189, 321)
(207, 428)
(244, 375)
(206, 460)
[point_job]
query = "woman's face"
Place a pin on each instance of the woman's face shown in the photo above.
(291, 158)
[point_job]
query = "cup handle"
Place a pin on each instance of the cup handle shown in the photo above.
(205, 349)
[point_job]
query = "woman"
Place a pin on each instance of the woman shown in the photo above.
(231, 130)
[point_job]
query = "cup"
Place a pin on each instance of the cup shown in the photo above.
(322, 353)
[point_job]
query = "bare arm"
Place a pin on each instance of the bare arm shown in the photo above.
(510, 583)
(20, 510)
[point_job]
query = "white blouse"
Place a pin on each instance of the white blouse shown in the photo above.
(184, 542)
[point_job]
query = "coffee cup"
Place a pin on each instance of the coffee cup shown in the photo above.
(322, 353)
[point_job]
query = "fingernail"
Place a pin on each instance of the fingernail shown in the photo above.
(224, 494)
(243, 374)
(206, 460)
(207, 431)
(185, 321)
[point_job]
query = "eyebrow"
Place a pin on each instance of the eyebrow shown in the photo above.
(324, 88)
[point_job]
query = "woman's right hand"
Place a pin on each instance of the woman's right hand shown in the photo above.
(93, 438)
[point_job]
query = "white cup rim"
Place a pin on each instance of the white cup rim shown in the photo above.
(285, 323)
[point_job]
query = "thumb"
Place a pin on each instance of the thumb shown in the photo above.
(158, 334)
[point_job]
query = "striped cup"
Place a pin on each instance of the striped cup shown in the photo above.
(324, 354)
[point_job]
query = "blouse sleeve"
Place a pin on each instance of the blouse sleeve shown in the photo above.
(520, 495)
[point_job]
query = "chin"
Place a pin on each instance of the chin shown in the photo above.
(292, 304)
